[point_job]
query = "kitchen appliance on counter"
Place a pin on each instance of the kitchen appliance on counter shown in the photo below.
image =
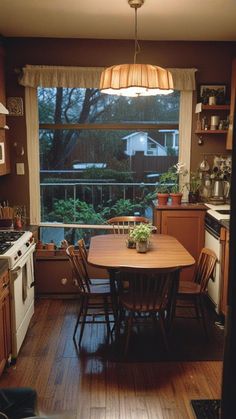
(215, 177)
(213, 225)
(218, 189)
(17, 248)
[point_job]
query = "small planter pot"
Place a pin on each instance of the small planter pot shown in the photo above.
(162, 198)
(142, 247)
(193, 197)
(176, 198)
(130, 244)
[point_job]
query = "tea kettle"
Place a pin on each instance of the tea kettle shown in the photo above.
(218, 189)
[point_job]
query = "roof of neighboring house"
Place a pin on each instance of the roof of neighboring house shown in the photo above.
(134, 134)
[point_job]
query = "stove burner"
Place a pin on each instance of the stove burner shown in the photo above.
(10, 236)
(4, 247)
(7, 239)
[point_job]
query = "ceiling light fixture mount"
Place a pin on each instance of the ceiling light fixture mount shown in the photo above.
(136, 79)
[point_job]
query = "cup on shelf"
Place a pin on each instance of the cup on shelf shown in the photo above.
(215, 119)
(212, 100)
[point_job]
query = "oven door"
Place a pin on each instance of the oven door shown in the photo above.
(22, 298)
(212, 241)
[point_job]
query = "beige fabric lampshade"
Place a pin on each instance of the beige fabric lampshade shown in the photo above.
(136, 80)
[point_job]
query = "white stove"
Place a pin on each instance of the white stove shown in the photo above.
(14, 245)
(214, 215)
(17, 248)
(219, 212)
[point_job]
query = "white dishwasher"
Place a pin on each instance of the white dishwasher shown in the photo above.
(212, 241)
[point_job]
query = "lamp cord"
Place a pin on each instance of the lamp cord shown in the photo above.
(137, 48)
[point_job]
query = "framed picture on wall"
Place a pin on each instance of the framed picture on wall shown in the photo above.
(218, 91)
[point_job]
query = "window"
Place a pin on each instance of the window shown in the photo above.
(135, 121)
(98, 153)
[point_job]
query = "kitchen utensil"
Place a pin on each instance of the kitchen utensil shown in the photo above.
(226, 189)
(204, 165)
(206, 190)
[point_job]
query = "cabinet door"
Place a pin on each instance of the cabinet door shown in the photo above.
(188, 228)
(50, 274)
(229, 141)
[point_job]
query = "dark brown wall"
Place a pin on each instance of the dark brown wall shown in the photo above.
(212, 59)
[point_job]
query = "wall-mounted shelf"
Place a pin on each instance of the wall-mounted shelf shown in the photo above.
(207, 111)
(215, 107)
(211, 131)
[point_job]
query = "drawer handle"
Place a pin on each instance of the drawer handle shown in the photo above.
(64, 281)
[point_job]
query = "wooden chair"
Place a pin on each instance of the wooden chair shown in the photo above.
(148, 296)
(122, 225)
(94, 299)
(191, 294)
(84, 258)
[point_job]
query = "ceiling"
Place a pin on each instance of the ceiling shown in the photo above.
(186, 20)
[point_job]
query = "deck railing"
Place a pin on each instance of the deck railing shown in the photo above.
(98, 193)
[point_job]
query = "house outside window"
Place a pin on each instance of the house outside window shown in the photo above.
(171, 138)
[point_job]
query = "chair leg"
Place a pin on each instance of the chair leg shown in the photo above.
(78, 317)
(198, 310)
(84, 314)
(128, 327)
(203, 317)
(163, 330)
(106, 307)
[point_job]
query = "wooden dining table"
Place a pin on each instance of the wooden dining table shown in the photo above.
(110, 251)
(165, 252)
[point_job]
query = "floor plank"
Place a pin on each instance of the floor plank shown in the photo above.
(88, 385)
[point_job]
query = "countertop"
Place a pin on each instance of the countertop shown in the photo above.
(225, 223)
(182, 206)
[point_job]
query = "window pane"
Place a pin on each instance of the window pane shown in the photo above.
(66, 105)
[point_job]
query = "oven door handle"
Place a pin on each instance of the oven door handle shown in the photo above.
(212, 232)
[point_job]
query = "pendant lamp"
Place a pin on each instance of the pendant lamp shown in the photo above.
(136, 79)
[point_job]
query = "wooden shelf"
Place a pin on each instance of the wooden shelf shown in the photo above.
(215, 107)
(211, 131)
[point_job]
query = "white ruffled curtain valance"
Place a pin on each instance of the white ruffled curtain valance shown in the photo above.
(89, 77)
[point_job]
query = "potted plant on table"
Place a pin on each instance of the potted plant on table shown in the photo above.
(140, 234)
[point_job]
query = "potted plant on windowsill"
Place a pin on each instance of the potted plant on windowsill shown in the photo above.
(141, 234)
(163, 188)
(194, 186)
(169, 181)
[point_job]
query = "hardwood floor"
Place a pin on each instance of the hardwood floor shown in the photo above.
(89, 385)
